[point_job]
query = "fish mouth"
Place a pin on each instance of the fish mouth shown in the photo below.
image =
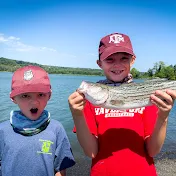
(83, 87)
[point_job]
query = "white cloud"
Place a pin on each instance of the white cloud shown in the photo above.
(2, 39)
(13, 38)
(14, 43)
(92, 54)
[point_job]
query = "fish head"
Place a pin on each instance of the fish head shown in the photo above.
(97, 94)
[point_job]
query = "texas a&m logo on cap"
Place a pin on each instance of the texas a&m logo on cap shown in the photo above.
(116, 38)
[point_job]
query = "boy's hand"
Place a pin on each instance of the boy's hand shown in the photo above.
(76, 102)
(164, 104)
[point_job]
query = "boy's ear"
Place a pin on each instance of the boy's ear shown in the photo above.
(132, 60)
(13, 100)
(49, 95)
(99, 63)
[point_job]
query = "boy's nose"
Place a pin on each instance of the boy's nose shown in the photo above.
(34, 102)
(117, 63)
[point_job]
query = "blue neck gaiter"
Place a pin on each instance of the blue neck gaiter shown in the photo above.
(26, 126)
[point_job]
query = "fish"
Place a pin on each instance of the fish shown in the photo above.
(125, 96)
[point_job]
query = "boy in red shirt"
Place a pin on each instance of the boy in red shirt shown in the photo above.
(120, 143)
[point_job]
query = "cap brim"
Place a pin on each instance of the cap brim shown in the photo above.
(30, 88)
(115, 49)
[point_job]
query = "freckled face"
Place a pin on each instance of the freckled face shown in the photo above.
(32, 104)
(117, 66)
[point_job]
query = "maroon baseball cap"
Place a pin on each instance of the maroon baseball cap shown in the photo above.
(114, 43)
(30, 79)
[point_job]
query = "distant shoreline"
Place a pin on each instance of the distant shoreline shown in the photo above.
(59, 74)
(10, 65)
(160, 69)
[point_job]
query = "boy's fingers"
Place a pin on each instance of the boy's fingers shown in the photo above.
(82, 103)
(172, 93)
(80, 93)
(163, 102)
(165, 97)
(74, 95)
(157, 101)
(76, 99)
(77, 90)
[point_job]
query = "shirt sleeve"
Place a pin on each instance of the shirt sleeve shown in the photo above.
(149, 119)
(63, 154)
(89, 115)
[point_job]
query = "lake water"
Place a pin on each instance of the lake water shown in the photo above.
(62, 87)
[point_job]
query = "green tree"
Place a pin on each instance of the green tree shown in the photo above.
(135, 73)
(170, 73)
(150, 72)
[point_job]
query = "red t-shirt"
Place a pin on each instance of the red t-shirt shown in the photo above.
(121, 140)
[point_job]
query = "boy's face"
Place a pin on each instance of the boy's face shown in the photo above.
(32, 104)
(117, 66)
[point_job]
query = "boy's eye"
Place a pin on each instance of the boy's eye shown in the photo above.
(24, 96)
(41, 94)
(125, 58)
(109, 59)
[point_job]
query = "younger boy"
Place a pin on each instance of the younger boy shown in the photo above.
(31, 144)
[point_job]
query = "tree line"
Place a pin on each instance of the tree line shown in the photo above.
(160, 69)
(10, 65)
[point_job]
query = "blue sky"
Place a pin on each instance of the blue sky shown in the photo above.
(67, 33)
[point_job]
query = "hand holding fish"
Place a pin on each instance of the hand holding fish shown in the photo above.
(164, 103)
(164, 100)
(88, 141)
(76, 102)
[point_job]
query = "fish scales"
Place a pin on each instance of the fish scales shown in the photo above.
(125, 96)
(141, 90)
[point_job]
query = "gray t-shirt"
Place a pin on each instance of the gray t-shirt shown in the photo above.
(38, 155)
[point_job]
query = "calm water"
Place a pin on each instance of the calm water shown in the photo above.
(62, 87)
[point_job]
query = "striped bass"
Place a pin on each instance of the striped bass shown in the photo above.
(125, 96)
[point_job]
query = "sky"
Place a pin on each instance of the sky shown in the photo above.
(67, 33)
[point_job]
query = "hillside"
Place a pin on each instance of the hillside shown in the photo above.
(10, 65)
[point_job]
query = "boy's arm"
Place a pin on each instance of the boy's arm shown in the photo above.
(88, 142)
(155, 142)
(61, 173)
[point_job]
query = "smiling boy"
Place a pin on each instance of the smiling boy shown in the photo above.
(120, 143)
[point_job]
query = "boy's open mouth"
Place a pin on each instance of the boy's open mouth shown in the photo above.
(34, 110)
